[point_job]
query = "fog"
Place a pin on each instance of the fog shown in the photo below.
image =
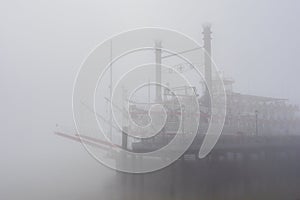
(43, 43)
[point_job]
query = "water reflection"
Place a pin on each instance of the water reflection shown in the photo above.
(188, 180)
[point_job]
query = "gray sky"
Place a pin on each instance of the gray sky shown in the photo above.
(42, 44)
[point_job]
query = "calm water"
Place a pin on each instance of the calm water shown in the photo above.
(261, 179)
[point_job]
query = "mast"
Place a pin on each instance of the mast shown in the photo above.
(111, 88)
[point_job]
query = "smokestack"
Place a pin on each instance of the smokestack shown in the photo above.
(207, 60)
(158, 70)
(207, 55)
